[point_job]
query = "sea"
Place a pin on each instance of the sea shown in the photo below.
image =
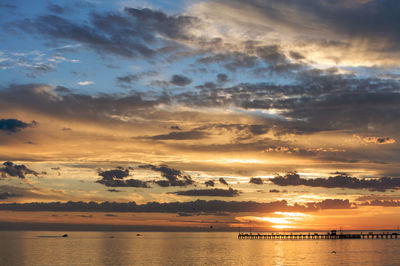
(183, 248)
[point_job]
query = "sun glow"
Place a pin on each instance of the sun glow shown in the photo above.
(280, 226)
(279, 220)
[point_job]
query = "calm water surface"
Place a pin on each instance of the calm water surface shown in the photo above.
(125, 248)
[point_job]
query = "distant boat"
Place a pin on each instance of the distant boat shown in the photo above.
(65, 235)
(138, 235)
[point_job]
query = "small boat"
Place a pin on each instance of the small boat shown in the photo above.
(65, 235)
(138, 235)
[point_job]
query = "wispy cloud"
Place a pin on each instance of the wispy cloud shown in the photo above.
(85, 83)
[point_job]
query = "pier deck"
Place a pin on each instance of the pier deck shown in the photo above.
(331, 235)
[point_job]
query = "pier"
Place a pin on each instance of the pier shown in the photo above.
(330, 235)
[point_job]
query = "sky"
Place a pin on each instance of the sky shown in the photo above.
(200, 114)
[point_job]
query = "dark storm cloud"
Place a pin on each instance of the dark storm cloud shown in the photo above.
(174, 177)
(15, 125)
(198, 206)
(180, 80)
(15, 170)
(256, 181)
(223, 181)
(338, 181)
(131, 33)
(116, 178)
(184, 135)
(216, 192)
(209, 183)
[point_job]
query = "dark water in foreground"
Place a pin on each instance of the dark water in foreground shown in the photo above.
(125, 248)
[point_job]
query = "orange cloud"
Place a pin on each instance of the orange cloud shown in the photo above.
(376, 140)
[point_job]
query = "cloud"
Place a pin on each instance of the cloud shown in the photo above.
(222, 77)
(377, 140)
(216, 192)
(131, 33)
(14, 125)
(182, 135)
(184, 214)
(198, 206)
(296, 55)
(14, 170)
(113, 190)
(127, 80)
(329, 204)
(116, 178)
(223, 181)
(180, 80)
(84, 216)
(114, 174)
(85, 83)
(61, 89)
(41, 98)
(174, 177)
(256, 181)
(382, 203)
(365, 29)
(110, 215)
(209, 183)
(274, 191)
(341, 180)
(6, 195)
(232, 61)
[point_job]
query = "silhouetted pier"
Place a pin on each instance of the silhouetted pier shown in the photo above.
(330, 235)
